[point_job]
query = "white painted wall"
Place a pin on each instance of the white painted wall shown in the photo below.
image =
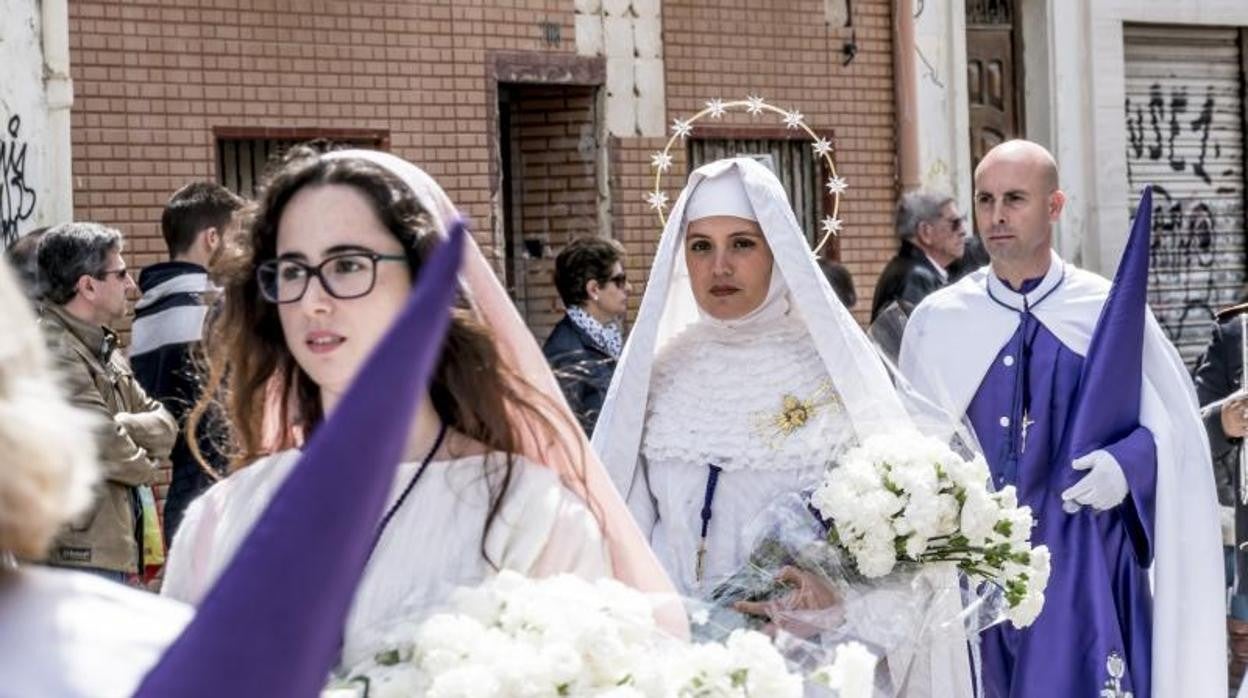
(35, 96)
(944, 122)
(629, 34)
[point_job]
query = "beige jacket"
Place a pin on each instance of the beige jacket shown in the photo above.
(135, 433)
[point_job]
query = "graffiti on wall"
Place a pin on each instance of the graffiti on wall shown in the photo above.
(1197, 251)
(17, 197)
(1182, 250)
(1152, 130)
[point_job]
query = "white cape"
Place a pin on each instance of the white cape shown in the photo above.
(951, 341)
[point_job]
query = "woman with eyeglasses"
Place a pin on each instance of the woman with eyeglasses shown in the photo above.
(585, 344)
(496, 476)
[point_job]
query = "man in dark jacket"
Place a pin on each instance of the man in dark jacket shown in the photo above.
(583, 347)
(932, 237)
(1225, 411)
(169, 322)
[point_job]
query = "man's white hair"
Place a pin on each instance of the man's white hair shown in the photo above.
(47, 446)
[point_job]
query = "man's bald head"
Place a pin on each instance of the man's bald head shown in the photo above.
(1016, 204)
(1019, 152)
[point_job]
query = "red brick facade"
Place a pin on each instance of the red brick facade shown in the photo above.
(155, 80)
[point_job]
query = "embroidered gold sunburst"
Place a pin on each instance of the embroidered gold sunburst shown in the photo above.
(794, 414)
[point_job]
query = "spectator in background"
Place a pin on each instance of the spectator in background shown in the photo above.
(585, 344)
(1224, 407)
(23, 256)
(841, 281)
(932, 237)
(86, 283)
(973, 257)
(169, 325)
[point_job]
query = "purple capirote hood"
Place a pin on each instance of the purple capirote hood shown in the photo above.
(1115, 359)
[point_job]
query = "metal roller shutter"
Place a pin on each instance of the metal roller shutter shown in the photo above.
(1185, 136)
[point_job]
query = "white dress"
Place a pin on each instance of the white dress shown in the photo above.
(68, 634)
(431, 546)
(716, 395)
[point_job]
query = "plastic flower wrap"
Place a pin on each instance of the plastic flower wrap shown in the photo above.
(563, 636)
(808, 594)
(914, 499)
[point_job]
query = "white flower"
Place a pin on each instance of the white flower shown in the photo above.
(916, 545)
(851, 674)
(657, 200)
(661, 161)
(700, 617)
(831, 226)
(566, 636)
(681, 127)
(836, 184)
(922, 513)
(755, 106)
(1040, 566)
(822, 146)
(979, 515)
(904, 494)
(465, 682)
(1027, 610)
(792, 119)
(717, 108)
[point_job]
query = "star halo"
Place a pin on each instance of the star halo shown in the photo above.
(661, 161)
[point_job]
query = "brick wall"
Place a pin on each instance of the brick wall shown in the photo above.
(786, 53)
(154, 78)
(554, 152)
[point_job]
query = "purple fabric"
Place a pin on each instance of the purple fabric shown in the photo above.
(1098, 597)
(1098, 602)
(272, 624)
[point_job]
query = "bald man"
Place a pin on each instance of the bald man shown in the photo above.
(1004, 348)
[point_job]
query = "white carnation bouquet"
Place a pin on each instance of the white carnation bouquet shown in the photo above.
(563, 636)
(911, 499)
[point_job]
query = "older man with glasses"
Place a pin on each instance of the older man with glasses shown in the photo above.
(933, 236)
(85, 287)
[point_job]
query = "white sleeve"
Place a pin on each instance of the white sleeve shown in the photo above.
(544, 529)
(187, 565)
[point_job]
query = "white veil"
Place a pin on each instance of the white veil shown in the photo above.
(668, 306)
(858, 373)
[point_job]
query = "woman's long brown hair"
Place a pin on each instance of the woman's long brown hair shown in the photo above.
(269, 402)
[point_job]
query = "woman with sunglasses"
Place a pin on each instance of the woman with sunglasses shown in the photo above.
(497, 474)
(585, 344)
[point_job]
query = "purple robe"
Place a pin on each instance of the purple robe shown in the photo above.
(1098, 602)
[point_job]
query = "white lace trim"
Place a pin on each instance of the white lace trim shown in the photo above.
(713, 391)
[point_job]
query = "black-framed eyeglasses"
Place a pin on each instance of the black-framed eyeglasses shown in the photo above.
(955, 223)
(618, 279)
(343, 276)
(122, 273)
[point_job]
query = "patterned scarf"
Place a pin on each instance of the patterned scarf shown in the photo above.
(608, 337)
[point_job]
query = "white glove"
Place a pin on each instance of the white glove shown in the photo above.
(1104, 487)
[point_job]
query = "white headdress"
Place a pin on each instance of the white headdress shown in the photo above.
(857, 373)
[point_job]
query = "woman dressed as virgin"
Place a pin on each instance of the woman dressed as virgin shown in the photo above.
(742, 380)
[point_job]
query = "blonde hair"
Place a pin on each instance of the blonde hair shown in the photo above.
(47, 446)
